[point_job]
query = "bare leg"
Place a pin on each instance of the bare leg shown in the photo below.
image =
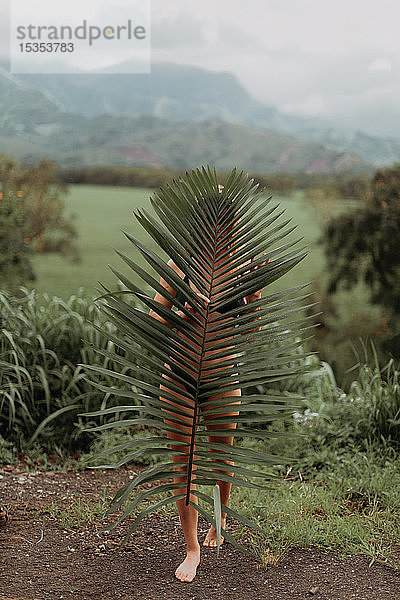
(188, 515)
(224, 486)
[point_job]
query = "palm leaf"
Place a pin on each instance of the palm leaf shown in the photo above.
(218, 514)
(211, 237)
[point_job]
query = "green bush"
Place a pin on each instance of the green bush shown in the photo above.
(43, 390)
(42, 387)
(334, 424)
(150, 177)
(7, 452)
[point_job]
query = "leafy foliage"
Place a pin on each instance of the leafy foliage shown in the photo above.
(42, 388)
(364, 246)
(148, 177)
(212, 237)
(14, 254)
(31, 219)
(334, 425)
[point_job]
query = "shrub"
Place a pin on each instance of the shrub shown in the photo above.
(333, 423)
(42, 388)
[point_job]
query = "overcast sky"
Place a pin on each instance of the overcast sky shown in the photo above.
(336, 59)
(330, 58)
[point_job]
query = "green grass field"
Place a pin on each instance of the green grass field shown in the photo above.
(102, 212)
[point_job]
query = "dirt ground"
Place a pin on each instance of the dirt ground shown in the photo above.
(43, 558)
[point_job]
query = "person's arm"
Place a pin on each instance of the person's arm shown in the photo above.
(160, 298)
(253, 297)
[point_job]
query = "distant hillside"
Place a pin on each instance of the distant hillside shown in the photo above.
(379, 151)
(180, 93)
(35, 124)
(173, 92)
(151, 141)
(22, 108)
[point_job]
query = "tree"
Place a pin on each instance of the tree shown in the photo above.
(212, 238)
(364, 245)
(15, 266)
(31, 218)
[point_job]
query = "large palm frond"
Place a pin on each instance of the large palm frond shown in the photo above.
(211, 237)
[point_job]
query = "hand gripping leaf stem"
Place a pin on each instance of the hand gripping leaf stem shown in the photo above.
(182, 370)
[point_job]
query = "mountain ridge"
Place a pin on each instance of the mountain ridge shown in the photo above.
(179, 92)
(51, 116)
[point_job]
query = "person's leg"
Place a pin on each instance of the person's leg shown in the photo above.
(225, 486)
(188, 515)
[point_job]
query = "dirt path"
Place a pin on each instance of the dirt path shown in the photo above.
(42, 558)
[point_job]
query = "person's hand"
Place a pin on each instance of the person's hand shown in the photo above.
(190, 308)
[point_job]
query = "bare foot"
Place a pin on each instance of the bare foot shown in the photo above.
(211, 537)
(187, 570)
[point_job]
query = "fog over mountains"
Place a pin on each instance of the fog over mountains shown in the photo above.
(177, 116)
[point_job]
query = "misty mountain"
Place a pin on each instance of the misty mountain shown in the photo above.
(37, 122)
(22, 108)
(378, 151)
(179, 93)
(171, 91)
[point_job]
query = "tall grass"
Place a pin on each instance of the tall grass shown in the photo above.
(42, 388)
(340, 488)
(377, 391)
(332, 424)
